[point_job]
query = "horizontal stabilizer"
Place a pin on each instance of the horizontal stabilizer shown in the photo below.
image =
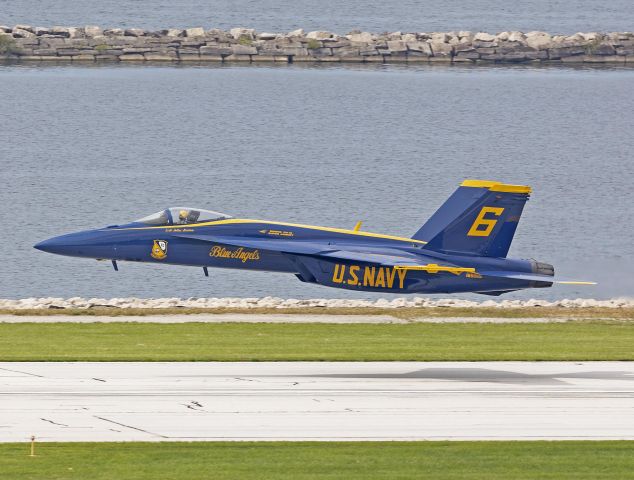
(385, 259)
(531, 277)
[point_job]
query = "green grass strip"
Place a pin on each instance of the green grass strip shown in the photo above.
(320, 460)
(320, 342)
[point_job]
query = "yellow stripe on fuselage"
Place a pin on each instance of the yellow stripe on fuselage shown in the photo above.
(237, 221)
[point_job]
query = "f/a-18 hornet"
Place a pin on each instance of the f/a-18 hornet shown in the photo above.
(461, 248)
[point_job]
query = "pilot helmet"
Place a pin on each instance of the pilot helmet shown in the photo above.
(182, 215)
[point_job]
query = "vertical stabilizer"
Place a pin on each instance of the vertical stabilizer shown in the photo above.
(480, 218)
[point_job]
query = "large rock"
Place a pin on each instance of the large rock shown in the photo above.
(134, 32)
(133, 57)
(267, 36)
(396, 46)
(74, 32)
(439, 37)
(20, 33)
(295, 51)
(321, 52)
(244, 50)
(468, 54)
(363, 37)
(422, 47)
(602, 49)
(441, 49)
(480, 44)
(564, 52)
(625, 50)
(320, 35)
(174, 32)
(538, 40)
(28, 28)
(195, 32)
(558, 39)
(484, 37)
(338, 42)
(68, 52)
(576, 39)
(113, 32)
(592, 36)
(346, 52)
(486, 51)
(464, 47)
(216, 50)
(45, 51)
(296, 33)
(92, 31)
(60, 31)
(238, 33)
(516, 37)
(218, 34)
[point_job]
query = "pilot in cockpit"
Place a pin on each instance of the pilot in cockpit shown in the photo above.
(187, 216)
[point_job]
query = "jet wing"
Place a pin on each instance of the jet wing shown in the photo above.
(299, 247)
(382, 256)
(387, 257)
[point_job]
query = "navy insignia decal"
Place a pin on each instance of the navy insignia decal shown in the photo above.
(159, 249)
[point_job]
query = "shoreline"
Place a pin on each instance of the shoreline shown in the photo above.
(285, 304)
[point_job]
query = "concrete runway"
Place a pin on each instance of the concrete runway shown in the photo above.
(316, 401)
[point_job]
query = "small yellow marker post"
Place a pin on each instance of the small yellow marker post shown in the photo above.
(32, 446)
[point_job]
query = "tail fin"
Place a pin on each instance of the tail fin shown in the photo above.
(480, 218)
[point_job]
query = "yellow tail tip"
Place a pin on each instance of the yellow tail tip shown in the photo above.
(495, 186)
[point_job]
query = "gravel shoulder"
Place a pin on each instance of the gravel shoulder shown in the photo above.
(273, 318)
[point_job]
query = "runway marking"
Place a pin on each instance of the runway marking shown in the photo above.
(54, 423)
(24, 373)
(130, 426)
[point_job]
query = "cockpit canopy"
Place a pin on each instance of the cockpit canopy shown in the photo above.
(182, 216)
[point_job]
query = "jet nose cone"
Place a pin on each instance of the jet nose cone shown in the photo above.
(42, 245)
(52, 245)
(89, 243)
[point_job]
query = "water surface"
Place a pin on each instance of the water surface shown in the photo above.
(84, 147)
(555, 16)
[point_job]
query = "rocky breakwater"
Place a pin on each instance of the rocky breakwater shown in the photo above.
(95, 44)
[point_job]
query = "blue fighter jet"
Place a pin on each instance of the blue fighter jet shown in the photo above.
(461, 248)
